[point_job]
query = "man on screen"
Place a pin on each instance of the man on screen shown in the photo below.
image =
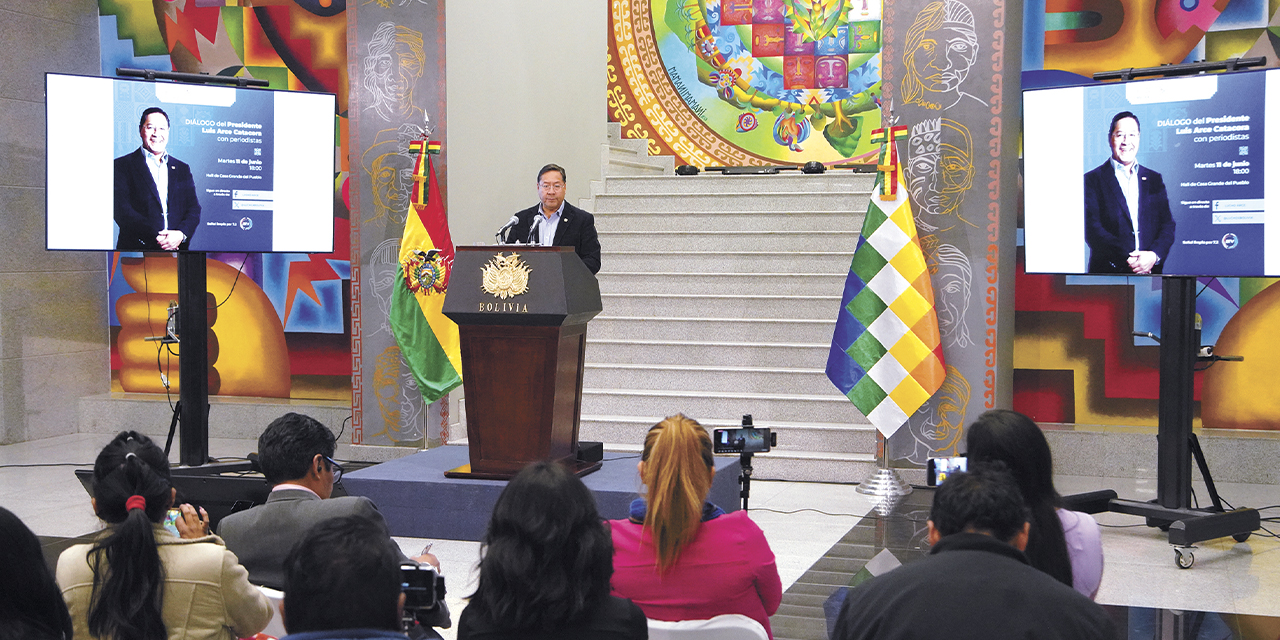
(155, 195)
(1127, 223)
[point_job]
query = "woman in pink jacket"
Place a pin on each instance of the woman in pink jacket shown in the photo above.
(680, 557)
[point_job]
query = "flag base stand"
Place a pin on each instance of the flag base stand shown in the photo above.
(884, 481)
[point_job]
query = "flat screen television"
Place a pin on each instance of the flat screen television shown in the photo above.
(1205, 138)
(258, 164)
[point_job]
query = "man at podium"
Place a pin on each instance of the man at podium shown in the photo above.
(554, 222)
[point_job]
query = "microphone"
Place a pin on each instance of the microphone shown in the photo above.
(510, 223)
(535, 230)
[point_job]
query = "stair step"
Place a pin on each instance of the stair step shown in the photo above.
(710, 378)
(741, 221)
(667, 305)
(784, 241)
(799, 627)
(619, 166)
(813, 467)
(728, 261)
(722, 353)
(830, 408)
(730, 329)
(783, 182)
(776, 201)
(793, 437)
(627, 149)
(776, 284)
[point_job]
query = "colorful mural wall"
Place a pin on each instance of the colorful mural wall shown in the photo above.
(750, 82)
(281, 327)
(747, 82)
(1076, 360)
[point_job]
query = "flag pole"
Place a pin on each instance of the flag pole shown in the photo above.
(884, 480)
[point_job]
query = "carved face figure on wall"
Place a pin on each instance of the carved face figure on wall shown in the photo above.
(939, 167)
(391, 175)
(953, 283)
(399, 401)
(941, 48)
(938, 426)
(391, 70)
(382, 268)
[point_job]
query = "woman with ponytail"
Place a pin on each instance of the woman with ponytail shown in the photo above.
(137, 581)
(680, 557)
(1064, 544)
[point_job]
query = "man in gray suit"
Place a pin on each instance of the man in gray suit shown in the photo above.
(296, 455)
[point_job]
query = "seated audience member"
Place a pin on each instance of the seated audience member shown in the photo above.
(680, 557)
(296, 455)
(545, 567)
(137, 580)
(976, 582)
(31, 607)
(342, 581)
(1064, 544)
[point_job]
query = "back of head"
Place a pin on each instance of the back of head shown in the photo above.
(131, 492)
(983, 500)
(289, 444)
(1017, 442)
(31, 605)
(343, 574)
(547, 554)
(679, 466)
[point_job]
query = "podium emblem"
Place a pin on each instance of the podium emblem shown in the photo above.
(505, 276)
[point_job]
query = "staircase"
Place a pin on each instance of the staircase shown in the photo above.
(621, 156)
(720, 295)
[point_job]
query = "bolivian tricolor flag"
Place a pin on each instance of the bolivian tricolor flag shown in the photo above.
(428, 340)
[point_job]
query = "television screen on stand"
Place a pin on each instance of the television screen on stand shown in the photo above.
(244, 170)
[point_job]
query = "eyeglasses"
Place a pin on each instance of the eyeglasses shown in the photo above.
(550, 186)
(337, 469)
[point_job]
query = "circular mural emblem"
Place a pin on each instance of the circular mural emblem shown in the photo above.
(246, 223)
(758, 81)
(1230, 241)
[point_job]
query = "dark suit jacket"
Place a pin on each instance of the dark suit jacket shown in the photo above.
(262, 536)
(971, 586)
(137, 203)
(577, 229)
(1108, 229)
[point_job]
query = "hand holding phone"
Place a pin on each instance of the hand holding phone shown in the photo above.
(189, 522)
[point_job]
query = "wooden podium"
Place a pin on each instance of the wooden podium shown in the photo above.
(522, 314)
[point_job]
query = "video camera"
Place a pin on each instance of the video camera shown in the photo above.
(424, 592)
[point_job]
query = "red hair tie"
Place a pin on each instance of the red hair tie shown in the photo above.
(135, 502)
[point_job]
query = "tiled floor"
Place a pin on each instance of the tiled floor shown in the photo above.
(803, 521)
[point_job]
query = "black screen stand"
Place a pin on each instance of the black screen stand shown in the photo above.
(193, 360)
(1176, 443)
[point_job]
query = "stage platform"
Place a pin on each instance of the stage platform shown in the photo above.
(419, 502)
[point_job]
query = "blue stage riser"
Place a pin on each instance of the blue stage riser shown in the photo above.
(419, 502)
